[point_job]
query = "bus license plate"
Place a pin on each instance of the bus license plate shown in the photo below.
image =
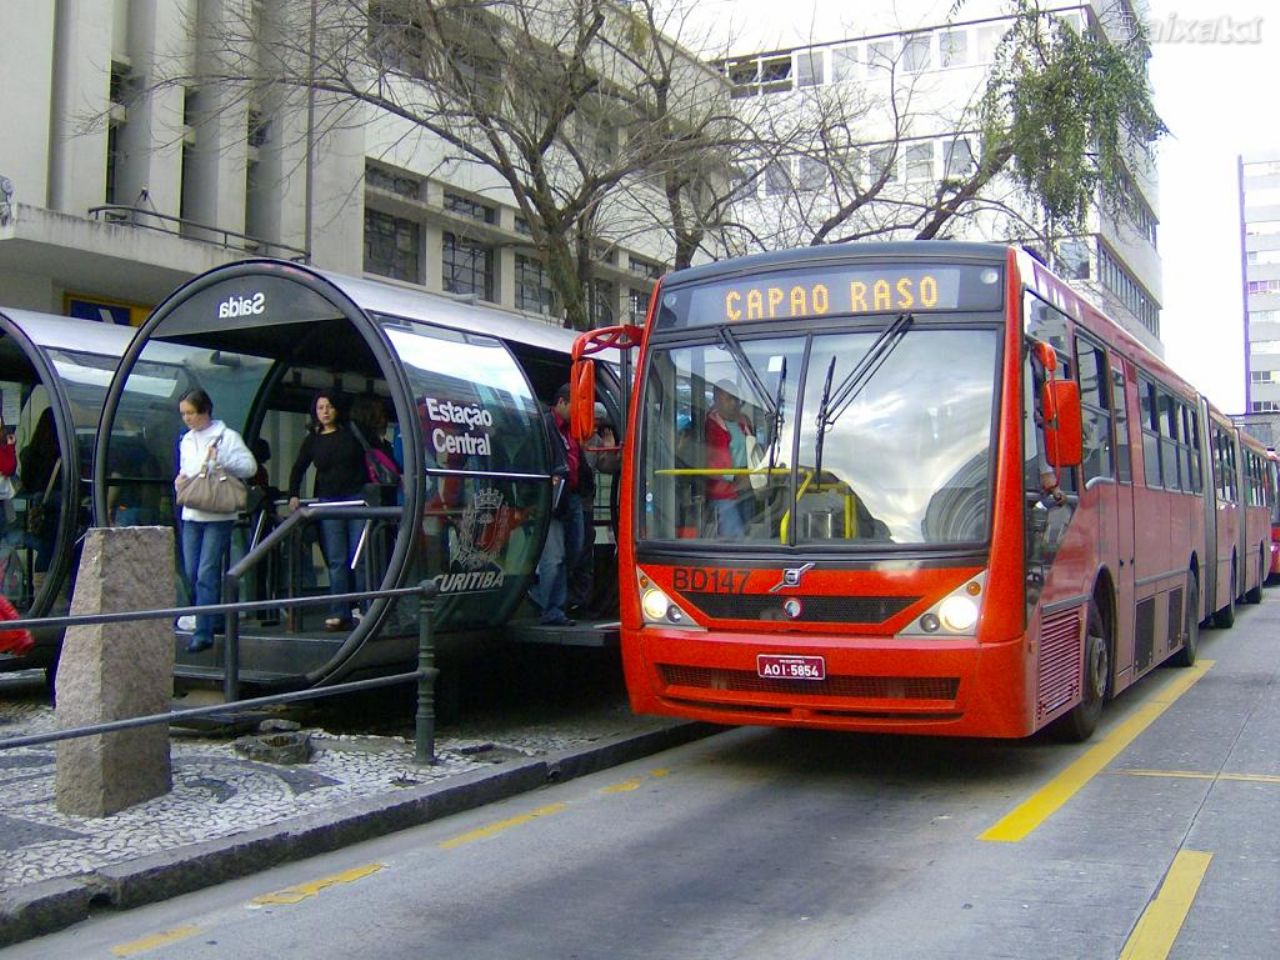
(776, 667)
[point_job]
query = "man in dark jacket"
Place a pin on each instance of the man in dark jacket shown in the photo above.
(564, 533)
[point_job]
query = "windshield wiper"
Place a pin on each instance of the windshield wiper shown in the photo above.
(732, 345)
(779, 417)
(832, 408)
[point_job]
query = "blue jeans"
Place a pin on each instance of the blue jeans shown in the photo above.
(339, 539)
(729, 521)
(559, 554)
(204, 547)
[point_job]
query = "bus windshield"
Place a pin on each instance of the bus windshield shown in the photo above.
(742, 440)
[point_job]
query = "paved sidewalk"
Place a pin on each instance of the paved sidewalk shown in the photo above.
(228, 816)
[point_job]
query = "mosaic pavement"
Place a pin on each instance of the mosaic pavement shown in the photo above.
(218, 793)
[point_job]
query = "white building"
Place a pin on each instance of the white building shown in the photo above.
(1259, 175)
(110, 203)
(920, 71)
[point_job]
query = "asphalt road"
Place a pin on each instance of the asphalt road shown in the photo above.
(1160, 837)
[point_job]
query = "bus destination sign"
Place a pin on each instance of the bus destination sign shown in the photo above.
(835, 291)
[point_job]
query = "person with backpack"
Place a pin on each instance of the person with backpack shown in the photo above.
(340, 474)
(564, 532)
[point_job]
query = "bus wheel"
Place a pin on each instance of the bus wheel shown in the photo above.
(1082, 720)
(1225, 618)
(1255, 594)
(1186, 657)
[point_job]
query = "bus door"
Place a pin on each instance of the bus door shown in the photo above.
(1124, 569)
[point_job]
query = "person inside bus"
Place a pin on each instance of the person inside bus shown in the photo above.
(602, 456)
(206, 536)
(727, 430)
(564, 532)
(338, 458)
(40, 467)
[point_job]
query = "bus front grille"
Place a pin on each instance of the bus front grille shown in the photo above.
(876, 688)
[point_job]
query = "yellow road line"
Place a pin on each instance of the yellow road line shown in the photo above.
(1193, 775)
(626, 786)
(1160, 923)
(304, 890)
(495, 828)
(1022, 819)
(143, 944)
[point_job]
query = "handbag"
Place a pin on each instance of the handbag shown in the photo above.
(213, 489)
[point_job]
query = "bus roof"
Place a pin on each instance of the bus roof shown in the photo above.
(877, 250)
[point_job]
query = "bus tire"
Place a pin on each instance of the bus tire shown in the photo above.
(1186, 657)
(1225, 618)
(1254, 595)
(1081, 720)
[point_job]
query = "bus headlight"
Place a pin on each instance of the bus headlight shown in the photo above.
(656, 604)
(958, 613)
(659, 609)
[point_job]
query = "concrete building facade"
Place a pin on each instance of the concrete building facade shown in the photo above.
(1259, 178)
(921, 71)
(112, 200)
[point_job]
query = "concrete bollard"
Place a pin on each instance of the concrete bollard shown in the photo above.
(112, 671)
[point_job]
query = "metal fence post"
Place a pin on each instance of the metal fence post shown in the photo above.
(231, 648)
(425, 719)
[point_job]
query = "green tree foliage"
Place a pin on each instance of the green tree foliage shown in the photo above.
(1069, 113)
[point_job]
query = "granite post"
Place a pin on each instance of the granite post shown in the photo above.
(112, 671)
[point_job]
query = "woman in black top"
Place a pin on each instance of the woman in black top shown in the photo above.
(340, 475)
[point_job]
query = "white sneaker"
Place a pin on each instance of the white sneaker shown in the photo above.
(187, 623)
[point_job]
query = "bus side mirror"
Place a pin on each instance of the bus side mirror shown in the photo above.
(582, 402)
(1063, 427)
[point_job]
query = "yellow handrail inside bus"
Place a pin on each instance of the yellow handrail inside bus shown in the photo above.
(850, 498)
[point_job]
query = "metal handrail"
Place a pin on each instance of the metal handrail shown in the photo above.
(356, 509)
(122, 214)
(425, 675)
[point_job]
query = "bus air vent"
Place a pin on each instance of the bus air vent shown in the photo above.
(1058, 675)
(876, 688)
(815, 609)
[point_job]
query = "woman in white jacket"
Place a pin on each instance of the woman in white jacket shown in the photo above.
(206, 536)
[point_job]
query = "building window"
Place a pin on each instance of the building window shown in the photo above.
(467, 267)
(809, 68)
(881, 55)
(953, 48)
(1128, 291)
(1073, 259)
(402, 185)
(1264, 346)
(466, 207)
(533, 291)
(915, 53)
(1264, 376)
(884, 163)
(1264, 406)
(603, 303)
(1264, 256)
(1262, 168)
(777, 179)
(812, 174)
(1263, 287)
(920, 162)
(645, 268)
(392, 246)
(639, 302)
(844, 63)
(1264, 316)
(958, 156)
(1262, 228)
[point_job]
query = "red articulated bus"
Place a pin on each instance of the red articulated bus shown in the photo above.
(1273, 486)
(913, 488)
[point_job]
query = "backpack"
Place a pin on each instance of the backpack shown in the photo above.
(380, 467)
